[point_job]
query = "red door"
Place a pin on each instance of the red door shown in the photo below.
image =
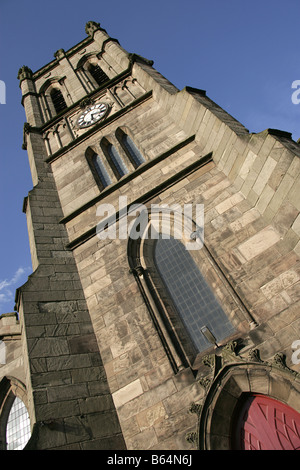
(267, 424)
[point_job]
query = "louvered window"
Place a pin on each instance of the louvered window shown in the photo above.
(97, 73)
(58, 100)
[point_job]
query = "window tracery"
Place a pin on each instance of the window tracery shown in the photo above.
(187, 296)
(15, 428)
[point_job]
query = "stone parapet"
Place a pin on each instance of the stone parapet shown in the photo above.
(9, 324)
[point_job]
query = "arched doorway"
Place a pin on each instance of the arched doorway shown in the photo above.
(266, 424)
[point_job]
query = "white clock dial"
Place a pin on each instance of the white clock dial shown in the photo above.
(92, 115)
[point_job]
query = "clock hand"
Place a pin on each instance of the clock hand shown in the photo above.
(94, 114)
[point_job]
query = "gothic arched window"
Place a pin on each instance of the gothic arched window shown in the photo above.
(131, 149)
(58, 100)
(97, 73)
(191, 303)
(118, 165)
(101, 170)
(15, 429)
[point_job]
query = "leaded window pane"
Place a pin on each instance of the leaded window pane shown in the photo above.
(193, 298)
(18, 426)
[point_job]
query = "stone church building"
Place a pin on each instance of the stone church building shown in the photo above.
(163, 308)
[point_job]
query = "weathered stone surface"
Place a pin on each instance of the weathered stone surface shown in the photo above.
(102, 360)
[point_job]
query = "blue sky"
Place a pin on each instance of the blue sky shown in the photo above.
(244, 54)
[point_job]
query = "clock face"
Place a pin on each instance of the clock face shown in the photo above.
(92, 115)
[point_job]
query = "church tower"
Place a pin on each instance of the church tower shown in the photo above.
(165, 250)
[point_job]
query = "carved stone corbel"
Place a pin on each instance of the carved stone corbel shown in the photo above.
(195, 408)
(192, 438)
(86, 102)
(26, 130)
(279, 362)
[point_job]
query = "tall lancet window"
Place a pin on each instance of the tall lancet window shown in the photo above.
(201, 314)
(101, 171)
(58, 100)
(97, 73)
(131, 149)
(118, 165)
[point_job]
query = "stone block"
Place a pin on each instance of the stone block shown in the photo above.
(257, 244)
(83, 344)
(47, 347)
(67, 392)
(127, 393)
(151, 416)
(143, 440)
(246, 219)
(229, 203)
(264, 175)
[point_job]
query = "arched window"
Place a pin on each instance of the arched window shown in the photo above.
(117, 160)
(193, 299)
(58, 100)
(97, 73)
(190, 302)
(131, 149)
(101, 171)
(18, 430)
(118, 165)
(15, 429)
